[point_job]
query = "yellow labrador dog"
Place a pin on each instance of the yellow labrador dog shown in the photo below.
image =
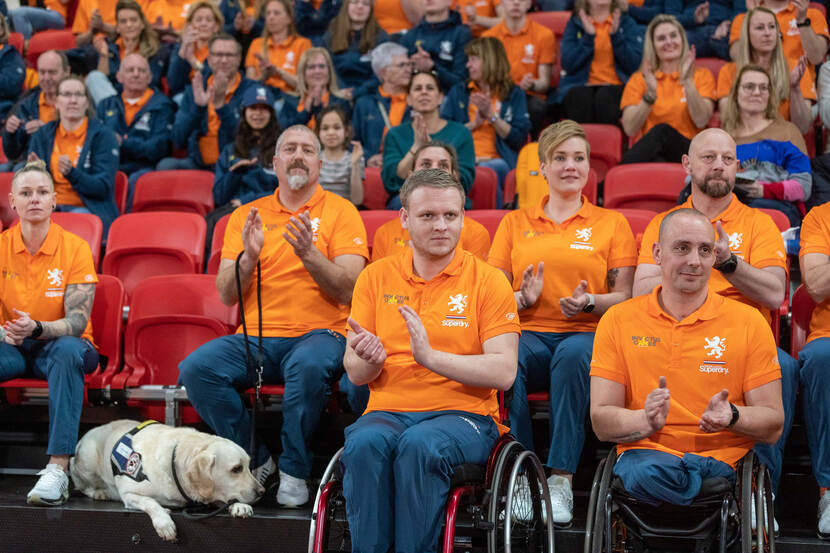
(153, 466)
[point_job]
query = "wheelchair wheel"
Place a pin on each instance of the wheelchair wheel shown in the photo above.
(597, 522)
(329, 530)
(754, 488)
(517, 493)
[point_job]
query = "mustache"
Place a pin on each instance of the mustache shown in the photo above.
(297, 164)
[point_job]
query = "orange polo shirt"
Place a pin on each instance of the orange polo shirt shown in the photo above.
(468, 303)
(37, 283)
(602, 66)
(531, 47)
(670, 106)
(484, 8)
(209, 143)
(391, 238)
(391, 17)
(752, 236)
(285, 55)
(484, 136)
(722, 345)
(173, 13)
(85, 7)
(292, 302)
(131, 108)
(727, 75)
(815, 238)
(69, 144)
(584, 247)
(46, 112)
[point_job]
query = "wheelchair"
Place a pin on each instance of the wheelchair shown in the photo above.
(474, 520)
(718, 520)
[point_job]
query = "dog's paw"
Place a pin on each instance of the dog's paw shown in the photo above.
(165, 528)
(100, 495)
(241, 510)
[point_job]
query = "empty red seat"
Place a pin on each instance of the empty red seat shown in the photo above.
(180, 190)
(485, 187)
(86, 225)
(17, 40)
(653, 186)
(374, 194)
(606, 147)
(121, 187)
(60, 39)
(216, 242)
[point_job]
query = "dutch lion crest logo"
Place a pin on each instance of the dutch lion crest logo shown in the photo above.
(715, 346)
(458, 303)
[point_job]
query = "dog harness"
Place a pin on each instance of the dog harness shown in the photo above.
(124, 459)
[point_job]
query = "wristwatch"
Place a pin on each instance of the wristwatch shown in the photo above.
(649, 99)
(728, 267)
(805, 23)
(37, 331)
(590, 305)
(735, 415)
(493, 118)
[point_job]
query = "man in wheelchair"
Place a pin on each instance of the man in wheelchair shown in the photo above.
(434, 332)
(684, 380)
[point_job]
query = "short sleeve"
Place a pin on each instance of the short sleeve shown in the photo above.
(250, 58)
(497, 312)
(606, 360)
(735, 28)
(818, 23)
(649, 238)
(232, 244)
(502, 245)
(705, 83)
(547, 45)
(349, 236)
(83, 268)
(475, 238)
(767, 244)
(633, 91)
(364, 302)
(726, 76)
(623, 245)
(814, 235)
(762, 355)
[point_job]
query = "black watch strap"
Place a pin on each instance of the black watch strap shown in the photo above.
(728, 266)
(735, 415)
(805, 23)
(37, 331)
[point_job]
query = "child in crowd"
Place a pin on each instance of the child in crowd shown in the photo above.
(342, 171)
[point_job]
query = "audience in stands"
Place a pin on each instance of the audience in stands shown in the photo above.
(568, 261)
(676, 424)
(273, 57)
(46, 330)
(316, 89)
(36, 107)
(437, 43)
(313, 18)
(189, 56)
(209, 112)
(774, 166)
(531, 50)
(133, 36)
(398, 16)
(479, 15)
(93, 17)
(491, 107)
(12, 71)
(643, 11)
(433, 403)
(376, 112)
(605, 46)
(401, 142)
(706, 23)
(37, 15)
(668, 100)
(311, 245)
(749, 256)
(391, 238)
(342, 170)
(814, 260)
(81, 154)
(168, 17)
(760, 44)
(350, 38)
(141, 118)
(242, 20)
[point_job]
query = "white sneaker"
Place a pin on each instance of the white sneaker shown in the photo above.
(561, 499)
(263, 471)
(52, 487)
(753, 519)
(824, 515)
(293, 492)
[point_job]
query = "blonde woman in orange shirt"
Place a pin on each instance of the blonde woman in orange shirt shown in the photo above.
(273, 57)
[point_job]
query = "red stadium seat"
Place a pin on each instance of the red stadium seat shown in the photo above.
(42, 41)
(802, 312)
(638, 220)
(820, 7)
(489, 218)
(485, 187)
(555, 21)
(606, 147)
(142, 245)
(509, 192)
(374, 219)
(86, 225)
(216, 242)
(374, 194)
(783, 223)
(183, 190)
(17, 40)
(71, 10)
(652, 186)
(121, 187)
(712, 64)
(7, 214)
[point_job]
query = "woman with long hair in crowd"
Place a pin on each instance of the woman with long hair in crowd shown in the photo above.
(273, 57)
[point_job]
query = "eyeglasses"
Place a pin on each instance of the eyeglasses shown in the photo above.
(224, 55)
(752, 87)
(72, 94)
(709, 159)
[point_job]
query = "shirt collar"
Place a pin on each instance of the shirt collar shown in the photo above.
(49, 246)
(453, 267)
(315, 199)
(77, 133)
(662, 75)
(709, 310)
(384, 94)
(585, 210)
(731, 212)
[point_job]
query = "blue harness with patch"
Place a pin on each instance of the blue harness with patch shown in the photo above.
(124, 459)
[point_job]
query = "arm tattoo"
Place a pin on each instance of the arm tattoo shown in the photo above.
(77, 305)
(611, 278)
(633, 437)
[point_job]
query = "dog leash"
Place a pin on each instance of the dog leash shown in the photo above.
(194, 510)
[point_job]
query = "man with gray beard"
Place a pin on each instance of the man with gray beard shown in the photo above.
(750, 257)
(310, 246)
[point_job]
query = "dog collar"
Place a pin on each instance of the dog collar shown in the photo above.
(126, 461)
(176, 478)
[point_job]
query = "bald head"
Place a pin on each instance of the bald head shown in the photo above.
(134, 75)
(685, 251)
(712, 164)
(710, 137)
(51, 68)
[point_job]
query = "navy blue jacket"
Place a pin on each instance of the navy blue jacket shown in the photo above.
(289, 115)
(627, 44)
(27, 109)
(643, 15)
(719, 10)
(312, 23)
(178, 71)
(192, 121)
(513, 110)
(229, 9)
(354, 70)
(147, 139)
(12, 75)
(94, 177)
(158, 65)
(445, 42)
(246, 184)
(368, 122)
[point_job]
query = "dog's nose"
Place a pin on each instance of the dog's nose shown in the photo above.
(260, 489)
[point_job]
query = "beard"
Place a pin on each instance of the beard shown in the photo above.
(715, 187)
(297, 182)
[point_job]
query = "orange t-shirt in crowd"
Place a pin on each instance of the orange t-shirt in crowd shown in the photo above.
(727, 75)
(36, 283)
(815, 238)
(85, 7)
(391, 17)
(391, 238)
(209, 143)
(722, 345)
(531, 47)
(602, 66)
(484, 8)
(285, 55)
(132, 107)
(670, 106)
(67, 144)
(484, 136)
(465, 305)
(46, 111)
(293, 304)
(753, 237)
(584, 246)
(173, 13)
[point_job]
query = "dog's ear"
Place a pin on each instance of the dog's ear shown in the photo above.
(200, 476)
